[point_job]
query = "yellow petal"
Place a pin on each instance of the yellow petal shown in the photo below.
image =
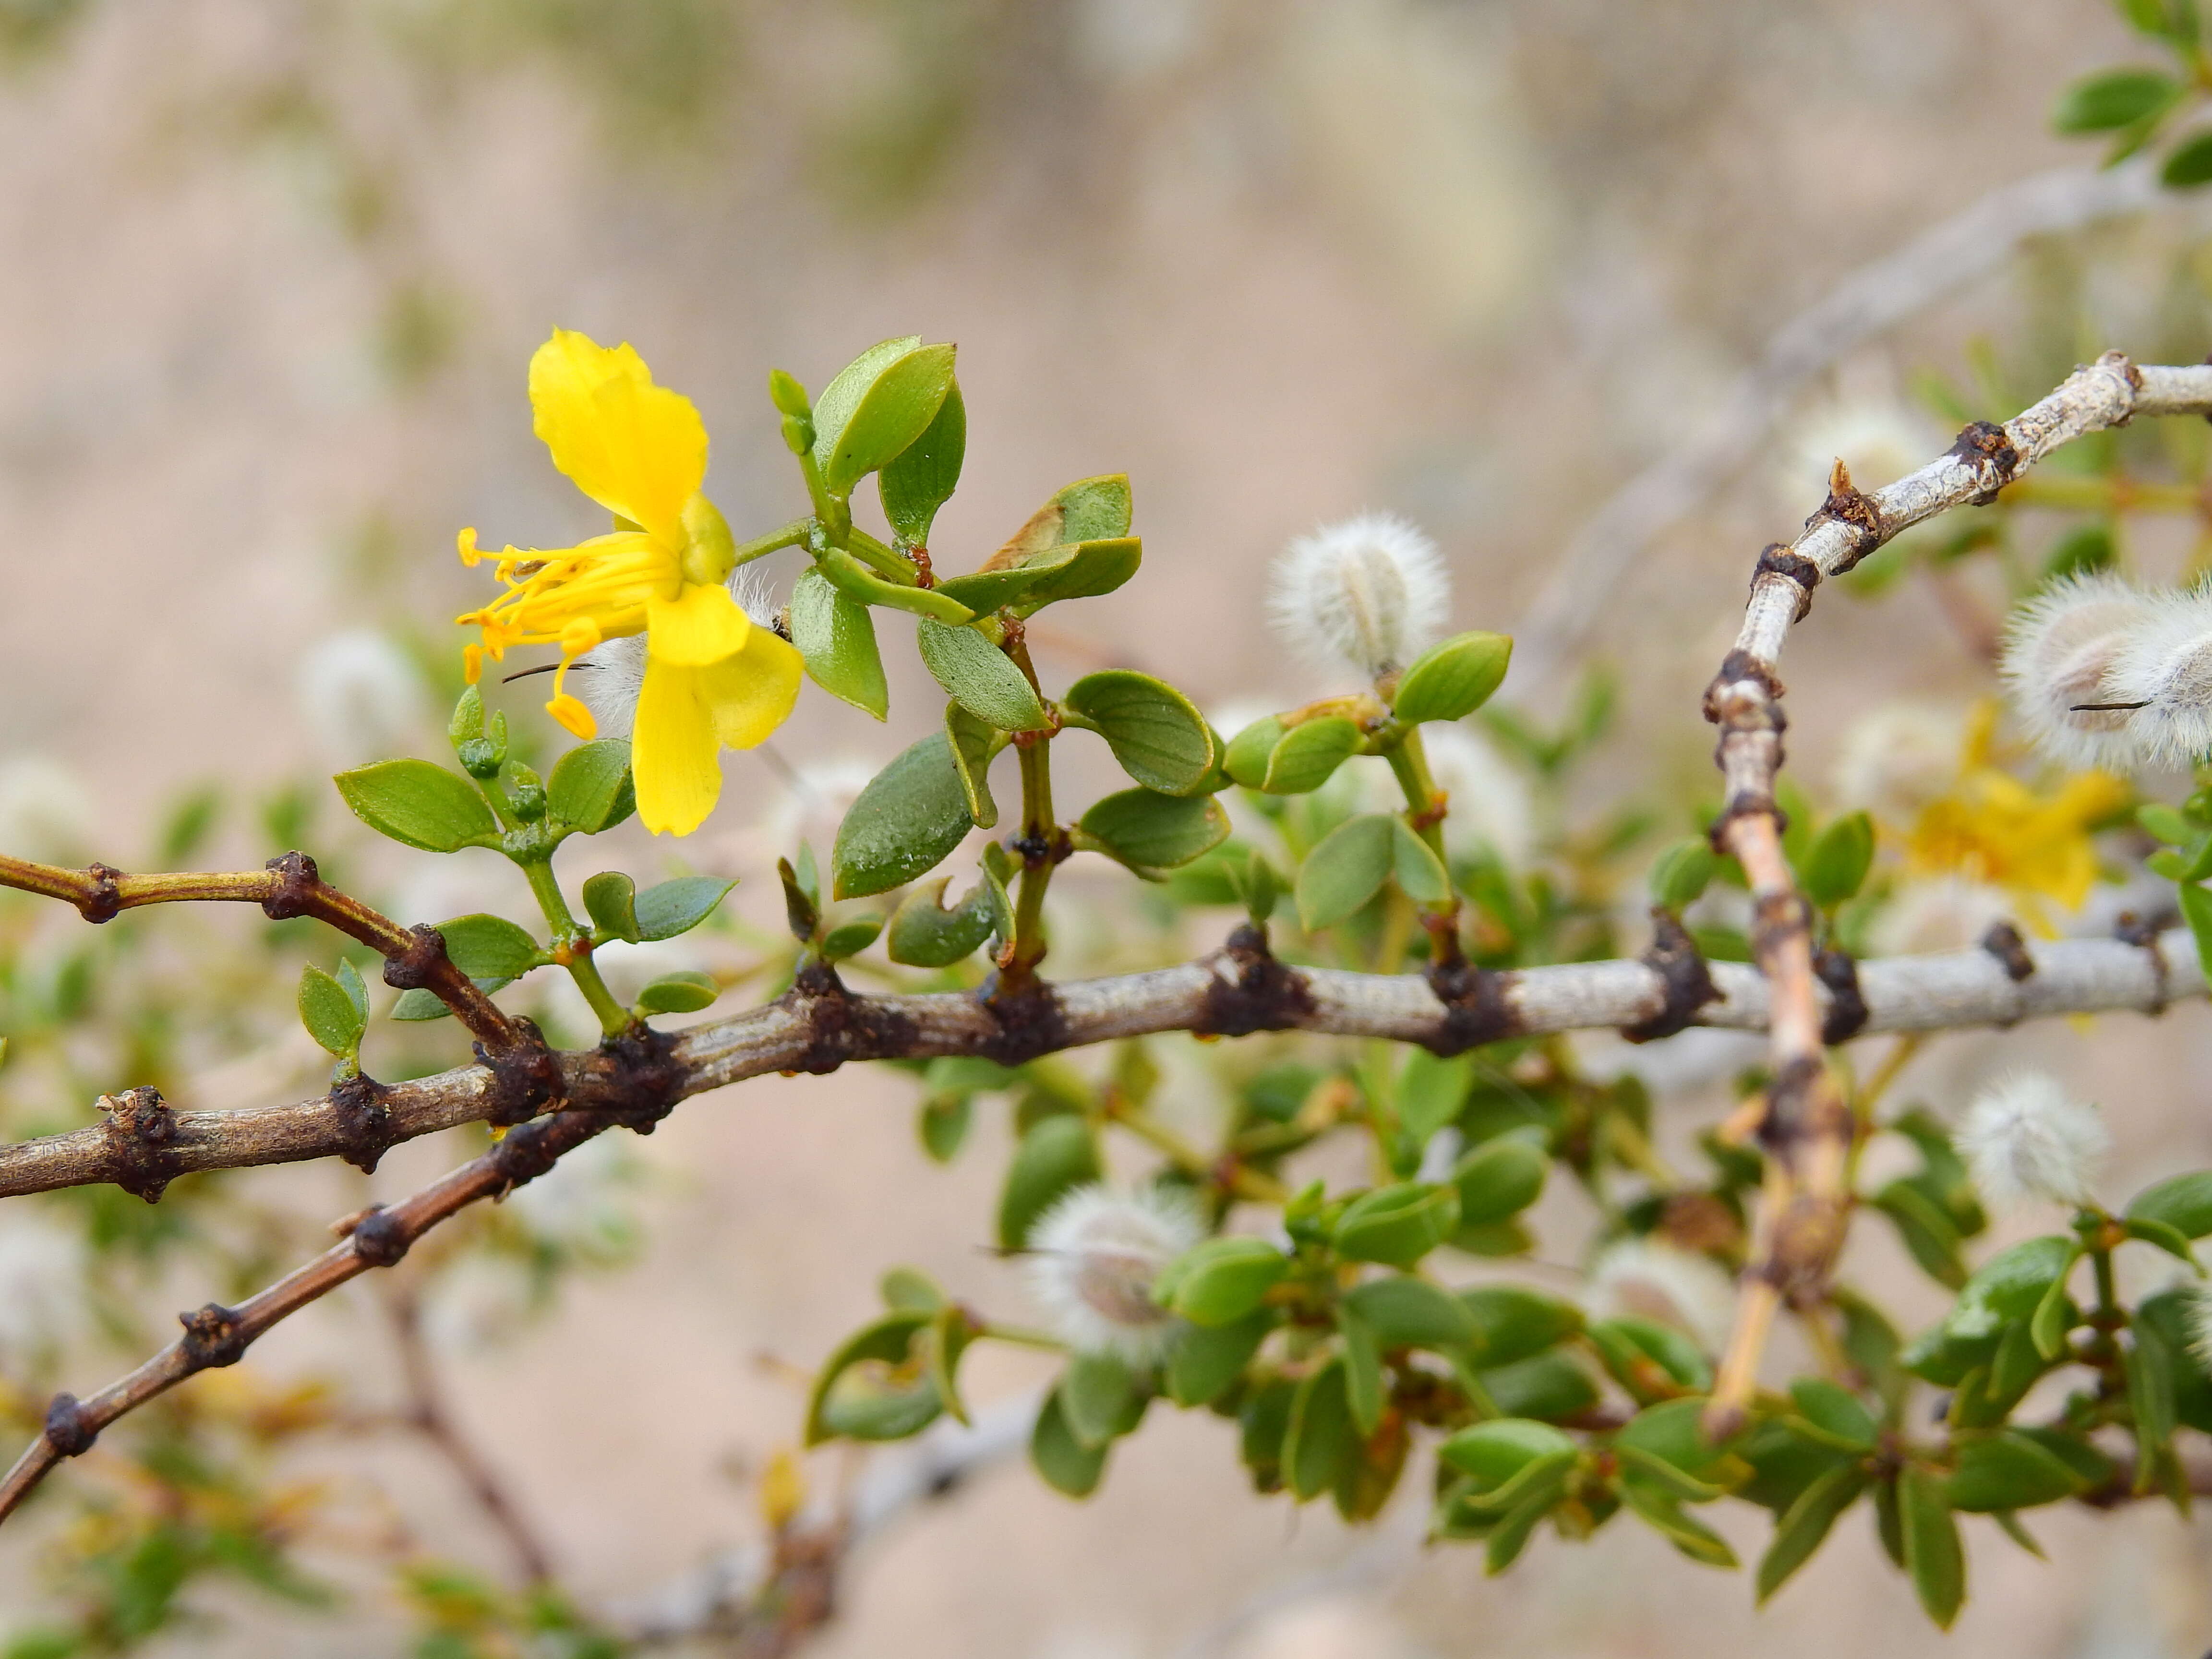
(699, 626)
(672, 750)
(751, 693)
(637, 449)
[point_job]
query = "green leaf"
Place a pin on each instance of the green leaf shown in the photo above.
(1155, 733)
(1681, 874)
(1150, 832)
(1514, 1322)
(670, 907)
(1321, 1437)
(1932, 1554)
(1805, 1524)
(1663, 1514)
(2197, 911)
(802, 910)
(974, 744)
(925, 934)
(2150, 1370)
(893, 413)
(2053, 1318)
(922, 478)
(912, 814)
(1206, 1359)
(1095, 567)
(1245, 756)
(1499, 1451)
(1363, 1370)
(1397, 1224)
(1649, 1359)
(1452, 678)
(1067, 1465)
(2172, 1240)
(684, 993)
(836, 638)
(2008, 1470)
(944, 1339)
(1498, 1179)
(844, 394)
(1306, 756)
(611, 900)
(1930, 1234)
(1096, 1392)
(2009, 1285)
(1221, 1281)
(590, 789)
(1346, 870)
(1419, 872)
(1840, 857)
(1405, 1312)
(418, 805)
(2191, 163)
(2165, 824)
(858, 582)
(1056, 1154)
(851, 938)
(2111, 98)
(1835, 1410)
(486, 947)
(868, 1389)
(1512, 1534)
(1432, 1092)
(329, 1011)
(943, 1125)
(2184, 1202)
(980, 677)
(1551, 1386)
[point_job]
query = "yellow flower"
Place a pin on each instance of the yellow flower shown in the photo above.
(1992, 828)
(711, 677)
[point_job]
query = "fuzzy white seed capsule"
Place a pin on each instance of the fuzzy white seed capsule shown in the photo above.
(1369, 592)
(2164, 670)
(1642, 1279)
(2026, 1140)
(1093, 1257)
(2061, 655)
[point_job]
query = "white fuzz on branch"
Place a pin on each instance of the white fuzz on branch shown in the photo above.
(1369, 592)
(1094, 1255)
(2164, 664)
(2061, 656)
(2025, 1139)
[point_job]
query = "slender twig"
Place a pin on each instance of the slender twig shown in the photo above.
(1233, 991)
(289, 886)
(1860, 307)
(216, 1335)
(1806, 1127)
(427, 1415)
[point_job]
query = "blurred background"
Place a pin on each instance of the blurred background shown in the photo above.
(273, 271)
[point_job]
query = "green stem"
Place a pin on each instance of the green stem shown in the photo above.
(574, 945)
(1410, 761)
(790, 536)
(836, 516)
(1022, 1337)
(1038, 832)
(888, 561)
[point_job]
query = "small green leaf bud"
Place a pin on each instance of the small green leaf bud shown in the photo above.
(798, 434)
(468, 720)
(788, 395)
(526, 794)
(482, 756)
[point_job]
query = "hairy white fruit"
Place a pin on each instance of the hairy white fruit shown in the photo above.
(1093, 1257)
(2061, 668)
(2027, 1139)
(1369, 592)
(2165, 666)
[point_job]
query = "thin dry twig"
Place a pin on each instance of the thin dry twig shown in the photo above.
(1806, 1127)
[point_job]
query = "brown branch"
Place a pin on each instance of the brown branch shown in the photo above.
(217, 1335)
(426, 1413)
(819, 1025)
(1806, 1127)
(414, 958)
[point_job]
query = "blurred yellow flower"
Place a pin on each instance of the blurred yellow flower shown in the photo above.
(1991, 827)
(711, 677)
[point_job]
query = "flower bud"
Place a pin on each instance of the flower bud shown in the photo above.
(2026, 1140)
(1369, 592)
(1094, 1257)
(526, 794)
(2061, 654)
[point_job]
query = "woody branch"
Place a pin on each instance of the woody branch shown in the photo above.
(1805, 1128)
